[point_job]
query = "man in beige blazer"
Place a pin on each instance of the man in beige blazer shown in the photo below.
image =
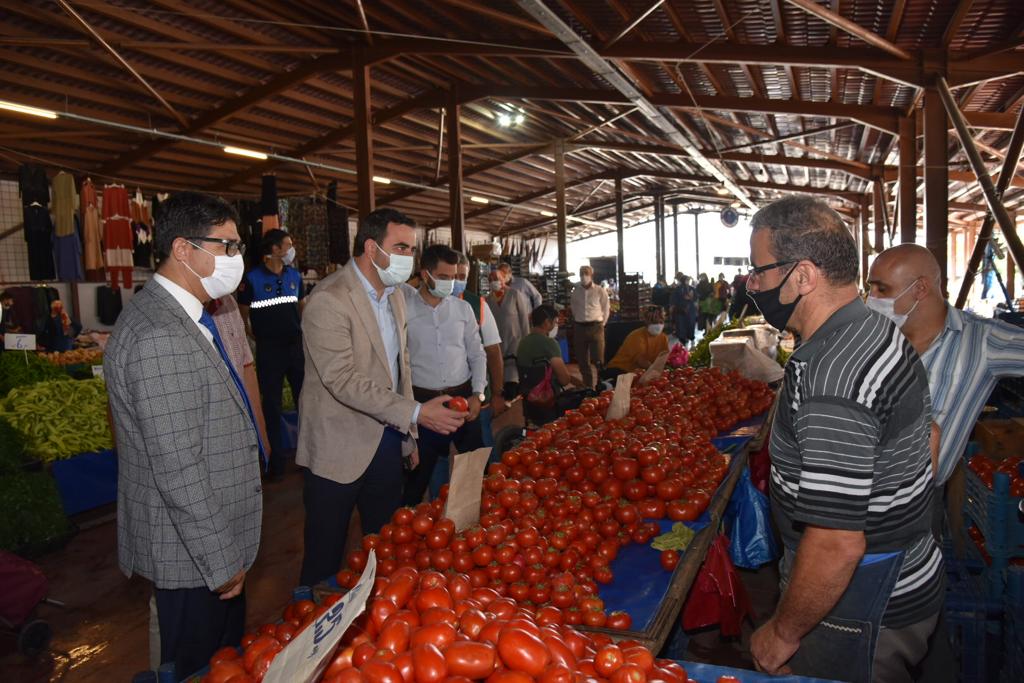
(357, 414)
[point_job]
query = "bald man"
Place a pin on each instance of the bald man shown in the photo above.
(965, 355)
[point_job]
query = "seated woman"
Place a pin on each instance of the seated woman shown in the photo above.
(539, 349)
(641, 347)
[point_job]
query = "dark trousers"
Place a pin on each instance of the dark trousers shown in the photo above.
(276, 360)
(195, 623)
(434, 446)
(377, 493)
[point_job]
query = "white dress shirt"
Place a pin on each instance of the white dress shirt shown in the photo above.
(444, 343)
(589, 304)
(385, 323)
(193, 306)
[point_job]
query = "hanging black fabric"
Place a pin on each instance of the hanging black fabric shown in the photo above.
(39, 237)
(33, 185)
(108, 304)
(337, 227)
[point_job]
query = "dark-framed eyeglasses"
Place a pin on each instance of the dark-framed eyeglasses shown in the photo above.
(756, 271)
(231, 247)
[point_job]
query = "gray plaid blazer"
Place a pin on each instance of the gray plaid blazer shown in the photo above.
(189, 502)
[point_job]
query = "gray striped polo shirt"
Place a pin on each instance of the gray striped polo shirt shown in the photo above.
(850, 450)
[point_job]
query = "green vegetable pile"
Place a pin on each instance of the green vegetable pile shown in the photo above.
(31, 516)
(677, 539)
(19, 369)
(700, 357)
(12, 450)
(58, 419)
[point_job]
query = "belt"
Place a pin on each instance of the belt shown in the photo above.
(422, 395)
(589, 322)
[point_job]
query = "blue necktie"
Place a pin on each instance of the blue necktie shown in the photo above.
(207, 321)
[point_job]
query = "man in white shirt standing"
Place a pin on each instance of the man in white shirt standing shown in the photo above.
(447, 358)
(590, 313)
(522, 285)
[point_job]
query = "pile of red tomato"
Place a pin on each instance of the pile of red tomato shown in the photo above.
(557, 508)
(986, 468)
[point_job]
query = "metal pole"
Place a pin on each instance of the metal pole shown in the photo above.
(620, 228)
(1010, 161)
(696, 247)
(455, 199)
(563, 258)
(675, 238)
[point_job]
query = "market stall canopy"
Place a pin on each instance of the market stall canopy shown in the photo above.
(766, 97)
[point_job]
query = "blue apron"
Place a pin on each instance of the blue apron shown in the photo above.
(842, 646)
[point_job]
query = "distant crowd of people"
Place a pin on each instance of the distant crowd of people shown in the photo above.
(690, 306)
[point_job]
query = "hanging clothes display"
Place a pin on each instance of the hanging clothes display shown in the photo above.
(155, 213)
(67, 252)
(108, 304)
(33, 185)
(91, 233)
(65, 204)
(337, 227)
(39, 237)
(307, 224)
(117, 235)
(268, 203)
(142, 232)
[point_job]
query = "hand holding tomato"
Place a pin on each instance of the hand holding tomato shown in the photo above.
(437, 417)
(458, 404)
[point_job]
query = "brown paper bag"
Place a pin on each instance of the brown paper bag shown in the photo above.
(463, 505)
(619, 407)
(655, 369)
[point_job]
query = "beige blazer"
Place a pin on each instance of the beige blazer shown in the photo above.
(347, 398)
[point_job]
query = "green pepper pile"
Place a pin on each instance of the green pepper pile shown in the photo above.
(59, 419)
(700, 357)
(677, 539)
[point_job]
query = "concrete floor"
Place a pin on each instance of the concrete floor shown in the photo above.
(103, 635)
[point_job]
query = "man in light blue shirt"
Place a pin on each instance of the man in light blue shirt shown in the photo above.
(447, 358)
(965, 355)
(522, 285)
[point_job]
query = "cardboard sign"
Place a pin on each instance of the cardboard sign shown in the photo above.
(463, 505)
(97, 371)
(307, 656)
(655, 369)
(619, 407)
(19, 342)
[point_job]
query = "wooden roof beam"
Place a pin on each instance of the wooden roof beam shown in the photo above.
(851, 27)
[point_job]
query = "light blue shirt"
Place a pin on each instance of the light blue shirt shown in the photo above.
(964, 363)
(521, 284)
(381, 306)
(444, 343)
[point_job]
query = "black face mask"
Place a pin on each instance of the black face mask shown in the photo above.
(775, 312)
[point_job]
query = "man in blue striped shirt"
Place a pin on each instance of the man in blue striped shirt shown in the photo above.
(965, 355)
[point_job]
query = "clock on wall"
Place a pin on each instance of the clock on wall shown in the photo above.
(730, 217)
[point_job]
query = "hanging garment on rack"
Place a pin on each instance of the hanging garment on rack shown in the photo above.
(67, 252)
(39, 237)
(33, 185)
(117, 235)
(91, 233)
(142, 233)
(65, 204)
(250, 217)
(108, 304)
(312, 215)
(268, 203)
(337, 227)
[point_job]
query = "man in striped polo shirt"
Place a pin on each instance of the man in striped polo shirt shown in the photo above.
(862, 575)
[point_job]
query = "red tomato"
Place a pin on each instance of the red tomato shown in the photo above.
(428, 664)
(669, 559)
(522, 651)
(608, 660)
(224, 670)
(619, 620)
(458, 404)
(379, 670)
(469, 659)
(440, 635)
(629, 673)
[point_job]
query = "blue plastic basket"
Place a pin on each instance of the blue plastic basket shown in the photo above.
(975, 621)
(1013, 627)
(996, 514)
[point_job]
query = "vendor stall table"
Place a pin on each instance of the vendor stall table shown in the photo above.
(707, 673)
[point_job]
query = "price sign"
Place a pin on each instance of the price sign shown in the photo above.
(97, 371)
(20, 342)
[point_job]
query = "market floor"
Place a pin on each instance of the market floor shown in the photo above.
(103, 628)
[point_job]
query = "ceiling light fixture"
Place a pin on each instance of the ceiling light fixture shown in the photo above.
(504, 120)
(243, 152)
(480, 200)
(519, 119)
(548, 214)
(31, 111)
(382, 180)
(721, 191)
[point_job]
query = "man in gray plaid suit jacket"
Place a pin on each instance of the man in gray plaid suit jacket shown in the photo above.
(189, 503)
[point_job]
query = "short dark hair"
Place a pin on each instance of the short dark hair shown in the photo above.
(808, 229)
(190, 214)
(542, 314)
(375, 226)
(463, 259)
(272, 238)
(438, 253)
(5, 295)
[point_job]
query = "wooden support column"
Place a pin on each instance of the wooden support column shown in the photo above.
(563, 258)
(659, 235)
(1011, 268)
(696, 247)
(936, 180)
(675, 238)
(620, 229)
(879, 215)
(865, 208)
(455, 199)
(908, 181)
(363, 122)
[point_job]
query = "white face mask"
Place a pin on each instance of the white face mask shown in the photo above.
(586, 279)
(887, 307)
(554, 331)
(441, 288)
(654, 329)
(227, 273)
(398, 271)
(289, 256)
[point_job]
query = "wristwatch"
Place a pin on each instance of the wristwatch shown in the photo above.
(480, 397)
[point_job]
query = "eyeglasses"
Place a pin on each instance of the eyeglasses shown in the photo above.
(231, 247)
(756, 271)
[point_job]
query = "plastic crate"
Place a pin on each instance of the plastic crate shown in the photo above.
(975, 621)
(1013, 627)
(997, 514)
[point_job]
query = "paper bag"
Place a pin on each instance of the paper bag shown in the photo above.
(307, 656)
(619, 407)
(463, 506)
(655, 369)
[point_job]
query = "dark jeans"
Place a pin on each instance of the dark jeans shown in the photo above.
(195, 623)
(329, 505)
(433, 447)
(275, 360)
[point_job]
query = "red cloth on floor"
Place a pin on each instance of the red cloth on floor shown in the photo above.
(717, 595)
(24, 587)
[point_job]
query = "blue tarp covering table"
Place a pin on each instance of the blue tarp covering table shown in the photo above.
(708, 673)
(86, 481)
